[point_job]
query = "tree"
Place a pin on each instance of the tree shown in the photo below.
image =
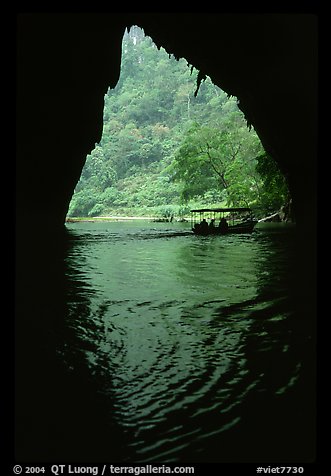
(218, 157)
(275, 191)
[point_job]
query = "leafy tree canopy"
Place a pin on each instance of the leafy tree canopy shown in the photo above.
(163, 147)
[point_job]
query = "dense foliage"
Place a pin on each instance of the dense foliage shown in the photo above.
(165, 149)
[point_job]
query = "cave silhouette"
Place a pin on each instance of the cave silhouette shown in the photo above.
(269, 64)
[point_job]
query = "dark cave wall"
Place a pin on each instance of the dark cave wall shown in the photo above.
(65, 65)
(267, 61)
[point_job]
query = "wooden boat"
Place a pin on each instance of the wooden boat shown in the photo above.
(231, 220)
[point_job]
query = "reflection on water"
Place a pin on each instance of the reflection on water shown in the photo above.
(173, 347)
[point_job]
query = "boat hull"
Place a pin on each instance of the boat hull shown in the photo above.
(239, 228)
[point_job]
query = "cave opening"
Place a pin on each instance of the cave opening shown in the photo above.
(270, 64)
(173, 141)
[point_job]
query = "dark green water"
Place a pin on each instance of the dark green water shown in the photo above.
(174, 348)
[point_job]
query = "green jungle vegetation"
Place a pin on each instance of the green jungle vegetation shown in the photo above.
(172, 141)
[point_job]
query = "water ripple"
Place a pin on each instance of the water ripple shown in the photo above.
(186, 337)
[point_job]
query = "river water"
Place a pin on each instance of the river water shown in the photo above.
(178, 348)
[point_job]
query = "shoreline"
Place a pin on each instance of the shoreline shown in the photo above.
(109, 218)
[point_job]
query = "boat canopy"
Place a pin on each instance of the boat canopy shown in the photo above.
(236, 209)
